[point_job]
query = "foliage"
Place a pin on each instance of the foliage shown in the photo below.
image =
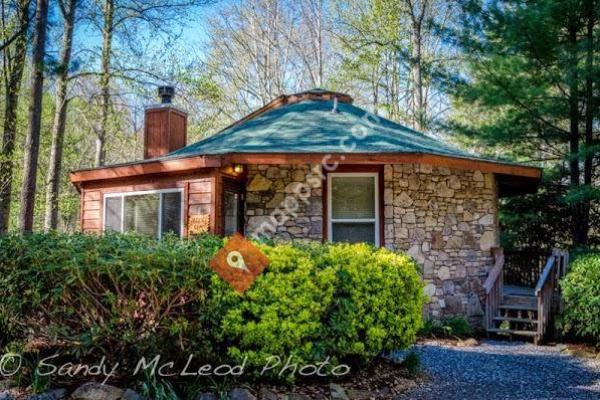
(378, 301)
(129, 295)
(536, 220)
(158, 389)
(345, 301)
(115, 294)
(377, 41)
(456, 326)
(282, 314)
(581, 295)
(412, 363)
(526, 94)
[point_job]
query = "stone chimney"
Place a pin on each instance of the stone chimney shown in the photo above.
(165, 126)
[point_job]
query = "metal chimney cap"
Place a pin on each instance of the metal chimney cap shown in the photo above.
(166, 94)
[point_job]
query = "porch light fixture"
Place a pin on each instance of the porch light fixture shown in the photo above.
(238, 168)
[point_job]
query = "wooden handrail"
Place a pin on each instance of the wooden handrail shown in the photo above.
(547, 289)
(496, 271)
(545, 273)
(494, 287)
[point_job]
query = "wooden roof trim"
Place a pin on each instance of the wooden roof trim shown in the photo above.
(144, 168)
(198, 162)
(385, 158)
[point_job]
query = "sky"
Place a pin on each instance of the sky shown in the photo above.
(192, 31)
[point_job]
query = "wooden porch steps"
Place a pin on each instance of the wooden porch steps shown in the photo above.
(514, 319)
(518, 307)
(517, 314)
(525, 310)
(512, 332)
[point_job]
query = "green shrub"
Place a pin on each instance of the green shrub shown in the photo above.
(283, 313)
(113, 294)
(130, 295)
(456, 326)
(581, 295)
(349, 302)
(378, 302)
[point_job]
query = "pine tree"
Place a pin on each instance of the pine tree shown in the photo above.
(532, 84)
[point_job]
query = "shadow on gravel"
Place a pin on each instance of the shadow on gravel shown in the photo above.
(505, 370)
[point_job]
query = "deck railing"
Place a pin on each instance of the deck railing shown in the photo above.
(494, 285)
(524, 267)
(547, 290)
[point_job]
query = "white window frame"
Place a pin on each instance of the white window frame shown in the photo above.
(122, 195)
(331, 220)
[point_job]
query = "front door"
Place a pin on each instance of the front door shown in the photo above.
(233, 207)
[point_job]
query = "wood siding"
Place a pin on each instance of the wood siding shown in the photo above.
(198, 196)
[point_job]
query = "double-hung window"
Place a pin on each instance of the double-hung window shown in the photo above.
(152, 213)
(353, 207)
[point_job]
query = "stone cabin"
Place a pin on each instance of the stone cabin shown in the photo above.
(312, 166)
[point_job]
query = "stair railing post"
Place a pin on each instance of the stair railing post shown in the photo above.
(494, 287)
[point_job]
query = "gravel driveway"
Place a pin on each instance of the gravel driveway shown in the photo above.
(505, 370)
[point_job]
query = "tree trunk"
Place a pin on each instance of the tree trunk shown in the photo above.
(60, 114)
(417, 92)
(575, 174)
(32, 142)
(107, 33)
(13, 77)
(319, 44)
(590, 109)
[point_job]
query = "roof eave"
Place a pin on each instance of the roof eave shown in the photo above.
(386, 158)
(513, 178)
(145, 167)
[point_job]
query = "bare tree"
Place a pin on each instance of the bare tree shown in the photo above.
(67, 8)
(122, 19)
(32, 141)
(259, 49)
(310, 40)
(13, 58)
(393, 47)
(107, 41)
(417, 10)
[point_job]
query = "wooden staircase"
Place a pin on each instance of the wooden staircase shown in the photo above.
(517, 315)
(523, 311)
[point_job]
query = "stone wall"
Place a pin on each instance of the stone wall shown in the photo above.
(446, 219)
(284, 202)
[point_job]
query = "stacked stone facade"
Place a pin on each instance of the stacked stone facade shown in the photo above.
(284, 202)
(446, 219)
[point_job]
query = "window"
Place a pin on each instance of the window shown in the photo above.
(353, 209)
(150, 213)
(231, 212)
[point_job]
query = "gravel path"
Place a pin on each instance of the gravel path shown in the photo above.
(505, 370)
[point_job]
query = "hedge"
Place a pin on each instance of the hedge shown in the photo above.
(581, 295)
(131, 295)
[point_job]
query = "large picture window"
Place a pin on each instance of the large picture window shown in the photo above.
(353, 211)
(150, 213)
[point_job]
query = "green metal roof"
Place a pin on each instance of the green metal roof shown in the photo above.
(310, 126)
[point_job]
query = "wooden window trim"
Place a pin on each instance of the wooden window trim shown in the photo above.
(354, 169)
(159, 192)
